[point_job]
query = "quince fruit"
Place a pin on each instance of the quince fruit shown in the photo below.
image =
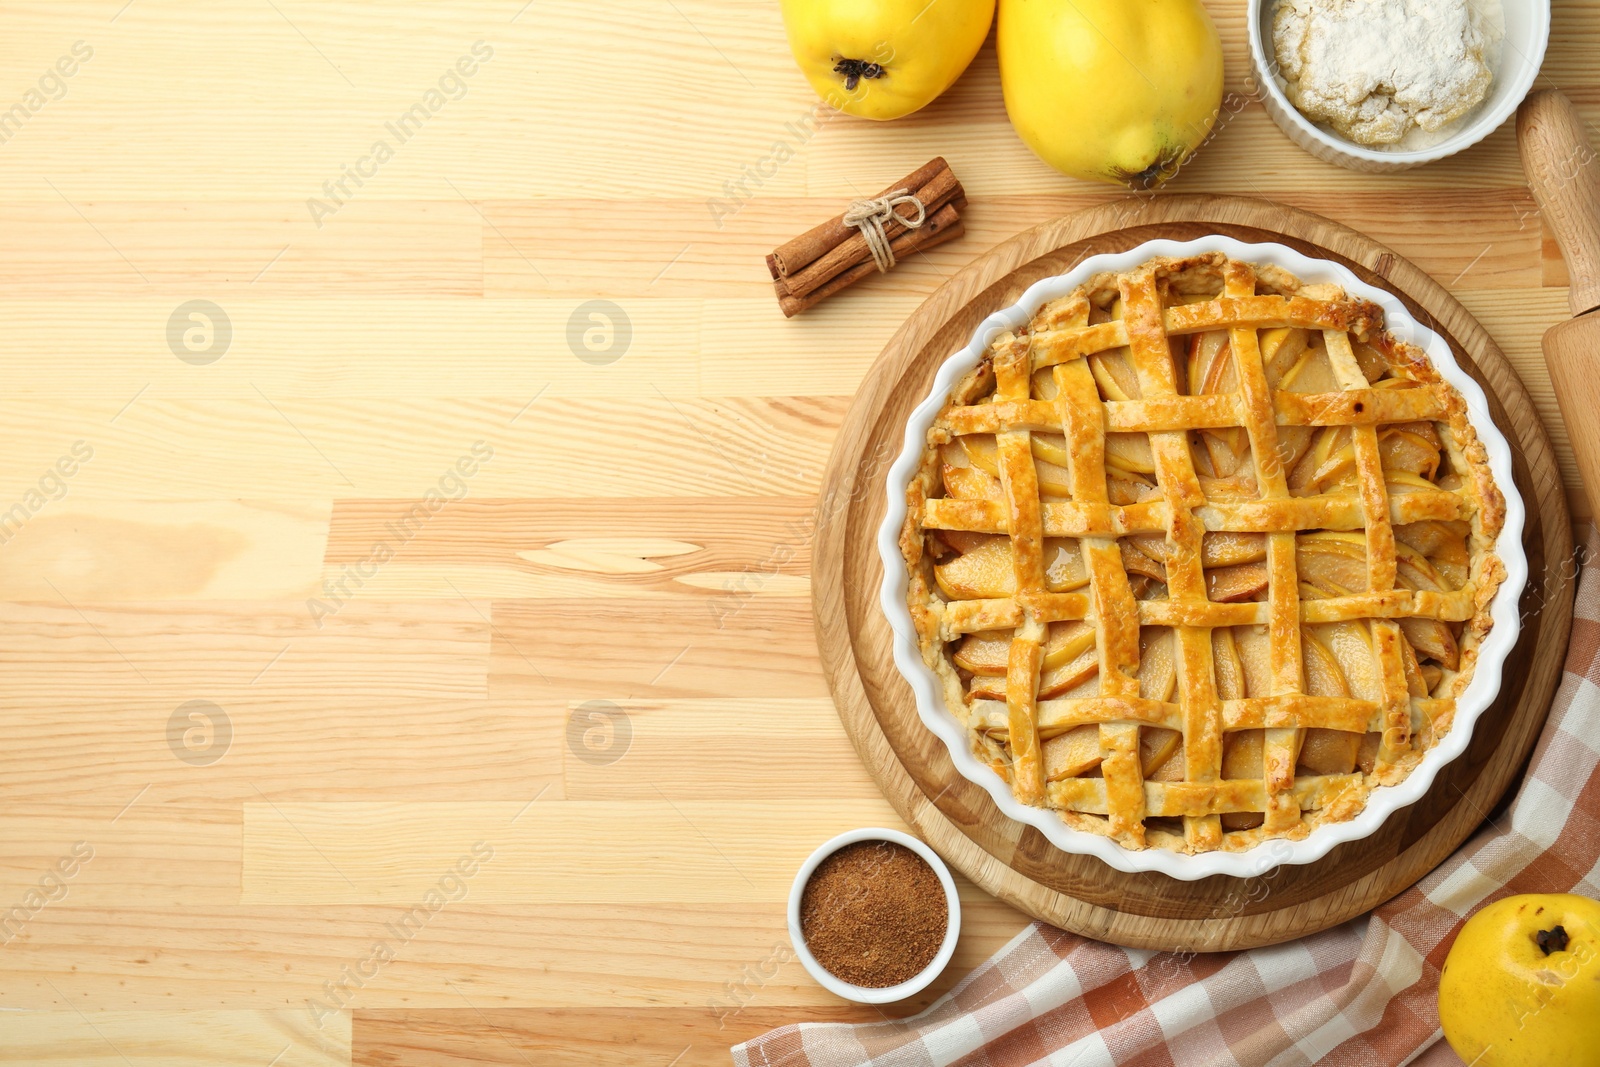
(881, 59)
(1521, 986)
(1111, 90)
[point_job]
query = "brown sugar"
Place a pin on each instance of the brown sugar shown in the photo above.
(874, 914)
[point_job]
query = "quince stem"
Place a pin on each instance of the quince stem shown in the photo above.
(856, 69)
(1552, 940)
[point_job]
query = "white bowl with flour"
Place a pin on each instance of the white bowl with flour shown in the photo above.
(1516, 33)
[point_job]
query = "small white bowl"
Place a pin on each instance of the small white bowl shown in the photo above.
(1527, 32)
(1384, 800)
(863, 994)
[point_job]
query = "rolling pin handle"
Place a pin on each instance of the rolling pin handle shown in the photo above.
(1564, 175)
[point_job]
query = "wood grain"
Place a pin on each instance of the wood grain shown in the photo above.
(590, 158)
(1015, 862)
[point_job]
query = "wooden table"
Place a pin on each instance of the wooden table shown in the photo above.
(402, 665)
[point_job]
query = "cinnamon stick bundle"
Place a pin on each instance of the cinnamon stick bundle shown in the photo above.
(943, 225)
(831, 256)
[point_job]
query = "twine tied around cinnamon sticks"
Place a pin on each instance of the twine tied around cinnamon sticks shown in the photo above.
(868, 216)
(838, 253)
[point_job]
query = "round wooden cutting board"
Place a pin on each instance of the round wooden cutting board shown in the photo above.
(1014, 861)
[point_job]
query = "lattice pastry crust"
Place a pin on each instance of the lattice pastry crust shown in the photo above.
(1202, 555)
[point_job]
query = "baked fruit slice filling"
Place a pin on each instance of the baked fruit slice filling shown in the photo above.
(1202, 555)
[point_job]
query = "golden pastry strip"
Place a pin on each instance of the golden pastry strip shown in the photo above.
(1359, 407)
(1082, 519)
(1019, 482)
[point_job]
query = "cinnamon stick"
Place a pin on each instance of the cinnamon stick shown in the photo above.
(942, 189)
(794, 256)
(941, 226)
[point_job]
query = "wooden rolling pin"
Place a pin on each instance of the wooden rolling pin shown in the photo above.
(1565, 178)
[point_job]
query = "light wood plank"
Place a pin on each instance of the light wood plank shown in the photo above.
(655, 850)
(73, 239)
(634, 1037)
(71, 780)
(629, 549)
(138, 958)
(674, 649)
(133, 849)
(156, 653)
(377, 740)
(87, 1037)
(673, 745)
(130, 550)
(315, 449)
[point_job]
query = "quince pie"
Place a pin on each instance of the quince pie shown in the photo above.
(1202, 555)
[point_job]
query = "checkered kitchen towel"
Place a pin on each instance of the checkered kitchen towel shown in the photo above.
(1363, 993)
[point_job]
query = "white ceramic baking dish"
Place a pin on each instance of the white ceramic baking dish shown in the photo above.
(1385, 800)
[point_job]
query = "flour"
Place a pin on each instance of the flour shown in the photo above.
(1396, 74)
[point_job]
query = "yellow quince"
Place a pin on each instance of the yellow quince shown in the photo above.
(1111, 90)
(1521, 986)
(881, 59)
